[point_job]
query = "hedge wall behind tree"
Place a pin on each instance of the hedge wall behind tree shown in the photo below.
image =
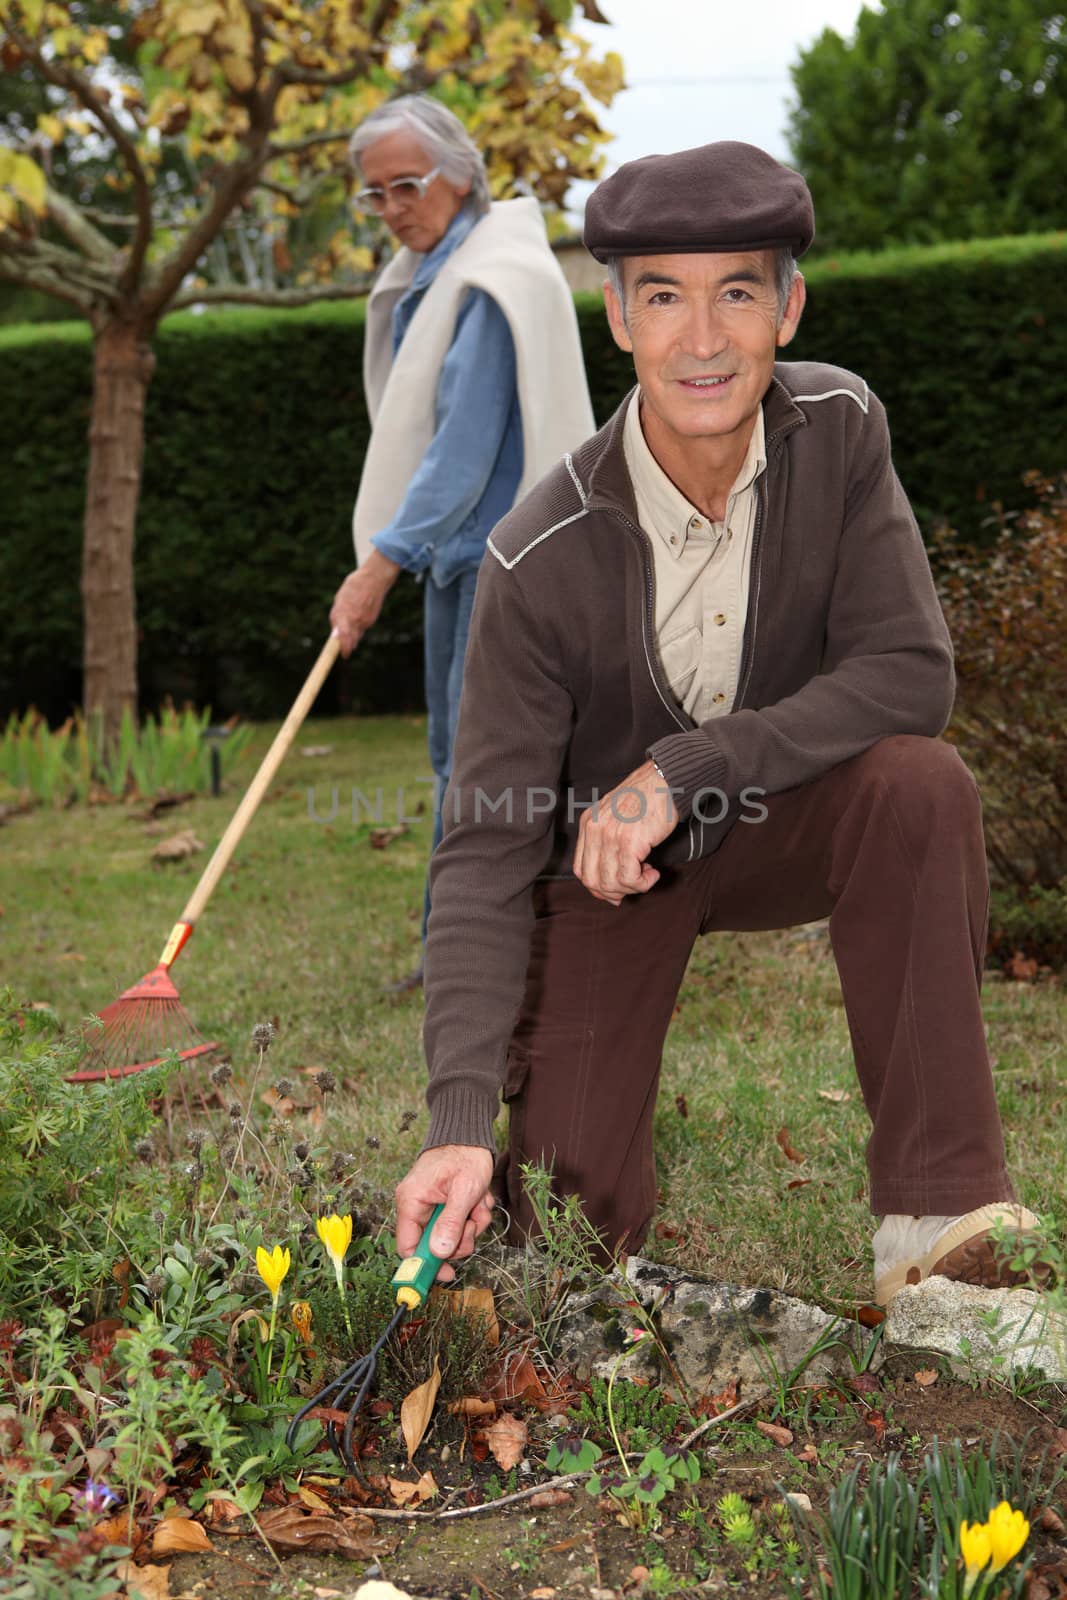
(256, 427)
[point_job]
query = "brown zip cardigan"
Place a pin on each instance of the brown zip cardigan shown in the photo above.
(563, 694)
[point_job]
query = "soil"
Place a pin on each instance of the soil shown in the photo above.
(577, 1548)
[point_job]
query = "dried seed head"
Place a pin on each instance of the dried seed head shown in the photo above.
(301, 1150)
(406, 1120)
(339, 1165)
(235, 1111)
(204, 1258)
(194, 1171)
(159, 1217)
(195, 1140)
(222, 1074)
(144, 1150)
(156, 1283)
(373, 1142)
(283, 1088)
(262, 1036)
(325, 1082)
(303, 1177)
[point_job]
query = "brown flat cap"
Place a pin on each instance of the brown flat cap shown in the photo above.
(724, 196)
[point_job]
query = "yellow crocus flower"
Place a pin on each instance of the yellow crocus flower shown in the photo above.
(273, 1267)
(1008, 1532)
(336, 1234)
(976, 1548)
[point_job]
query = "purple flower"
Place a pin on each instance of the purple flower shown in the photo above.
(96, 1497)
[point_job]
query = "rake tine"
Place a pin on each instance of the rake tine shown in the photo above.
(372, 1367)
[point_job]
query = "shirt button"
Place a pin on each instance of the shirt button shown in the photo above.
(673, 539)
(717, 699)
(720, 618)
(695, 522)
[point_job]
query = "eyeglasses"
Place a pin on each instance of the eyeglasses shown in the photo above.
(375, 198)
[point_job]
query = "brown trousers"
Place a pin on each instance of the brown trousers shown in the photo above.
(889, 846)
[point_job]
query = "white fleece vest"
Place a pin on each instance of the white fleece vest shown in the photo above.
(507, 254)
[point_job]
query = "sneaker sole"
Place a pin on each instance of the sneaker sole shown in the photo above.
(967, 1253)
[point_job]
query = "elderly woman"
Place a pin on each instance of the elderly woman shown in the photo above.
(475, 386)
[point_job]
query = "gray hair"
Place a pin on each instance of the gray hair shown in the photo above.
(441, 134)
(785, 270)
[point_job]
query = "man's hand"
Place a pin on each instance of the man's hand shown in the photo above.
(358, 602)
(458, 1175)
(616, 835)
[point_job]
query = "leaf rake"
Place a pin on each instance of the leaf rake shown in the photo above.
(148, 1021)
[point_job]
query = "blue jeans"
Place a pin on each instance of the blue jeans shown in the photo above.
(447, 618)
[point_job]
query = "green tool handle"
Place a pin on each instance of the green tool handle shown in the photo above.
(413, 1278)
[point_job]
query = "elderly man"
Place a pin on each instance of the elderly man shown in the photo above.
(475, 385)
(706, 676)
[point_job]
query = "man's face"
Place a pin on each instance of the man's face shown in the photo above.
(703, 331)
(418, 223)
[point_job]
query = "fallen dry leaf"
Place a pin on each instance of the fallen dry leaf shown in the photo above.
(417, 1409)
(114, 1530)
(407, 1494)
(925, 1377)
(313, 750)
(809, 1454)
(472, 1302)
(382, 838)
(471, 1406)
(152, 1583)
(1022, 969)
(781, 1139)
(289, 1528)
(179, 1534)
(545, 1499)
(223, 1510)
(313, 1501)
(545, 1593)
(178, 846)
(713, 1405)
(780, 1435)
(506, 1438)
(836, 1097)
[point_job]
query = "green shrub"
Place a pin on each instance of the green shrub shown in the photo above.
(69, 1203)
(1007, 611)
(256, 429)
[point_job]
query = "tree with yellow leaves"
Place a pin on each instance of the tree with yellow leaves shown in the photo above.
(223, 124)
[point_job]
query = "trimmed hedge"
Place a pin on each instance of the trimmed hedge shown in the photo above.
(256, 428)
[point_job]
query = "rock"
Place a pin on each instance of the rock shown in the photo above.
(713, 1331)
(992, 1331)
(177, 847)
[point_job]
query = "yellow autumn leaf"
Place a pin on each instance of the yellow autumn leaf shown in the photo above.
(238, 72)
(94, 45)
(198, 19)
(51, 127)
(24, 178)
(180, 54)
(417, 1409)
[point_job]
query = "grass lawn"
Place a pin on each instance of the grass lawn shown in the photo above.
(311, 921)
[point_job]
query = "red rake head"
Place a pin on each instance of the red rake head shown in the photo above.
(141, 1028)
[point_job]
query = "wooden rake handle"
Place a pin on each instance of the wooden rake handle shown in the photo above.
(260, 783)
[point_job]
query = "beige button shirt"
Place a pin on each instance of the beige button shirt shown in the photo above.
(701, 572)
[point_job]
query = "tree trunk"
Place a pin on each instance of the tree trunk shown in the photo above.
(122, 367)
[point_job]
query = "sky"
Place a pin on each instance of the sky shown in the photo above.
(700, 70)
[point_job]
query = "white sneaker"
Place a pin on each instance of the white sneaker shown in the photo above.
(909, 1249)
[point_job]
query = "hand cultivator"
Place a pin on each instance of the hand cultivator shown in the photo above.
(412, 1280)
(148, 1021)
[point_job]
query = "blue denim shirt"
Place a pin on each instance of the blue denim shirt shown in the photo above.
(467, 479)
